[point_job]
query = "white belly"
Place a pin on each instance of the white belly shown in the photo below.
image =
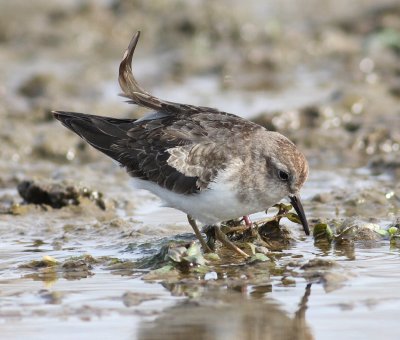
(216, 204)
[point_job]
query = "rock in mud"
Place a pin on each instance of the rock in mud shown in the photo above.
(326, 272)
(76, 269)
(353, 230)
(57, 195)
(130, 299)
(46, 262)
(318, 264)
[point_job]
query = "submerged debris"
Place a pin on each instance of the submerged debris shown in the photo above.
(265, 234)
(49, 269)
(353, 230)
(394, 233)
(45, 262)
(344, 233)
(322, 233)
(187, 257)
(173, 259)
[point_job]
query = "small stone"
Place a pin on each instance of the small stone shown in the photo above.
(211, 276)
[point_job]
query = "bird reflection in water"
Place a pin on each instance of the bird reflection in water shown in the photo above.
(226, 314)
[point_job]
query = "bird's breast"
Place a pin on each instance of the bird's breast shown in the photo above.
(219, 202)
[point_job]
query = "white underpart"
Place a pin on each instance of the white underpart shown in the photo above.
(216, 204)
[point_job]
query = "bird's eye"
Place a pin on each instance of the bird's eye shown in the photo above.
(283, 175)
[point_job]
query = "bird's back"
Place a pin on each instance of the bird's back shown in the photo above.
(182, 152)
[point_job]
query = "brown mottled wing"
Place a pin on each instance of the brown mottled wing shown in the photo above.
(182, 153)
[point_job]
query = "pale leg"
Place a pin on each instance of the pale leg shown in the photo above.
(220, 236)
(203, 243)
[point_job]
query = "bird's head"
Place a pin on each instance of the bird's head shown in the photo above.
(286, 169)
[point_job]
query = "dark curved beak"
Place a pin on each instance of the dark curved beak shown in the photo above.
(296, 203)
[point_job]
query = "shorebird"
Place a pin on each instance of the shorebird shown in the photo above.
(212, 165)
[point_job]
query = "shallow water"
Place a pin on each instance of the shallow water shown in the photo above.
(365, 294)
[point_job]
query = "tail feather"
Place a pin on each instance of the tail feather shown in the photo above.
(128, 83)
(137, 95)
(100, 132)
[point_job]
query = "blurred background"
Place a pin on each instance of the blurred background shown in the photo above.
(324, 73)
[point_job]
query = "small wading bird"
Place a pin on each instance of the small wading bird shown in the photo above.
(212, 165)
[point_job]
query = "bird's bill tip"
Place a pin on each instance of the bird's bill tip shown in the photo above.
(55, 114)
(298, 207)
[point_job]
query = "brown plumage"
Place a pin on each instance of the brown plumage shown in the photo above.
(210, 164)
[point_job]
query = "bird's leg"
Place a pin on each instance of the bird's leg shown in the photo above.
(220, 236)
(247, 221)
(203, 243)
